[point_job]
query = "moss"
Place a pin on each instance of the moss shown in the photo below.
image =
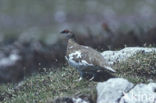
(139, 68)
(44, 87)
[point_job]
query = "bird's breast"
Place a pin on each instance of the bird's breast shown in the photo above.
(76, 60)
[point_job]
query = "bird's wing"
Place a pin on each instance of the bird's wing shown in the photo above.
(91, 56)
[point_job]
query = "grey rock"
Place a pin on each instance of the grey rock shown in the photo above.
(112, 90)
(112, 57)
(141, 93)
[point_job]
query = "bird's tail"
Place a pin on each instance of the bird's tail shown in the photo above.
(110, 69)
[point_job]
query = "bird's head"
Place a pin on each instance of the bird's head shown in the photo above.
(68, 34)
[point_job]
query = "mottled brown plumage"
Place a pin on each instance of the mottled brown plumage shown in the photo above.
(84, 58)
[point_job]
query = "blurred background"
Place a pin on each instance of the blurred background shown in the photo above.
(44, 19)
(29, 30)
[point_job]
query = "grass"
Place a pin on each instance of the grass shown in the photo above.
(45, 87)
(138, 68)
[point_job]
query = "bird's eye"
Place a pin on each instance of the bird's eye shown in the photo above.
(65, 31)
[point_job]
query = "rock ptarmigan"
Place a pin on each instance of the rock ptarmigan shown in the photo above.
(85, 59)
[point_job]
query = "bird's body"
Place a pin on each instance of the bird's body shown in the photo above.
(80, 57)
(85, 59)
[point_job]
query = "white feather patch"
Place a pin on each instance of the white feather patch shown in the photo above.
(86, 46)
(71, 56)
(71, 47)
(77, 54)
(84, 62)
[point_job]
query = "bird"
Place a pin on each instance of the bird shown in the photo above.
(84, 58)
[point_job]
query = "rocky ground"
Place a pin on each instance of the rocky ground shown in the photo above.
(120, 90)
(61, 85)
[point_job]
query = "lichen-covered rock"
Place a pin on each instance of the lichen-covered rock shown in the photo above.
(112, 90)
(141, 93)
(121, 91)
(117, 56)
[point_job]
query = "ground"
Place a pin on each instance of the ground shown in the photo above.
(45, 87)
(138, 68)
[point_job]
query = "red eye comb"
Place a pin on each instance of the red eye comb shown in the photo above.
(65, 31)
